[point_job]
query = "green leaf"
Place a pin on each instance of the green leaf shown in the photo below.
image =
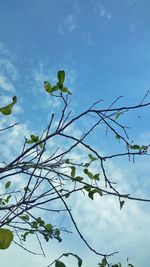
(41, 146)
(73, 171)
(56, 234)
(104, 261)
(55, 88)
(117, 136)
(135, 147)
(87, 165)
(118, 115)
(34, 138)
(88, 173)
(27, 189)
(96, 177)
(48, 87)
(49, 227)
(6, 237)
(67, 195)
(24, 236)
(92, 158)
(66, 90)
(59, 264)
(121, 204)
(40, 221)
(144, 148)
(35, 225)
(67, 161)
(87, 187)
(8, 198)
(61, 76)
(25, 217)
(78, 178)
(7, 185)
(8, 109)
(30, 141)
(93, 191)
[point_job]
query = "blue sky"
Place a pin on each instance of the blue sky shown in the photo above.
(103, 45)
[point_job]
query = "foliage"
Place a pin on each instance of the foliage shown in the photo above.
(52, 175)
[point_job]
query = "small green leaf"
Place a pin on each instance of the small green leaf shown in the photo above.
(135, 147)
(59, 264)
(67, 195)
(78, 178)
(93, 191)
(104, 261)
(87, 165)
(49, 227)
(7, 185)
(117, 136)
(55, 88)
(24, 236)
(66, 90)
(35, 225)
(56, 234)
(41, 146)
(27, 189)
(8, 198)
(34, 138)
(121, 204)
(118, 115)
(88, 173)
(92, 158)
(96, 177)
(40, 221)
(48, 87)
(30, 141)
(87, 187)
(6, 237)
(25, 217)
(8, 109)
(144, 148)
(61, 76)
(73, 171)
(67, 161)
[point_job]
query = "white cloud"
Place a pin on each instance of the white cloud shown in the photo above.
(8, 71)
(5, 84)
(3, 50)
(101, 10)
(8, 67)
(70, 22)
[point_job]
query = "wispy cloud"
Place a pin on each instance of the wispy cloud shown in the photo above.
(5, 84)
(70, 22)
(101, 10)
(8, 71)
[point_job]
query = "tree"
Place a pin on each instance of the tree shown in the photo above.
(51, 174)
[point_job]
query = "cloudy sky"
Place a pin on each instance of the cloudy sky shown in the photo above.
(103, 45)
